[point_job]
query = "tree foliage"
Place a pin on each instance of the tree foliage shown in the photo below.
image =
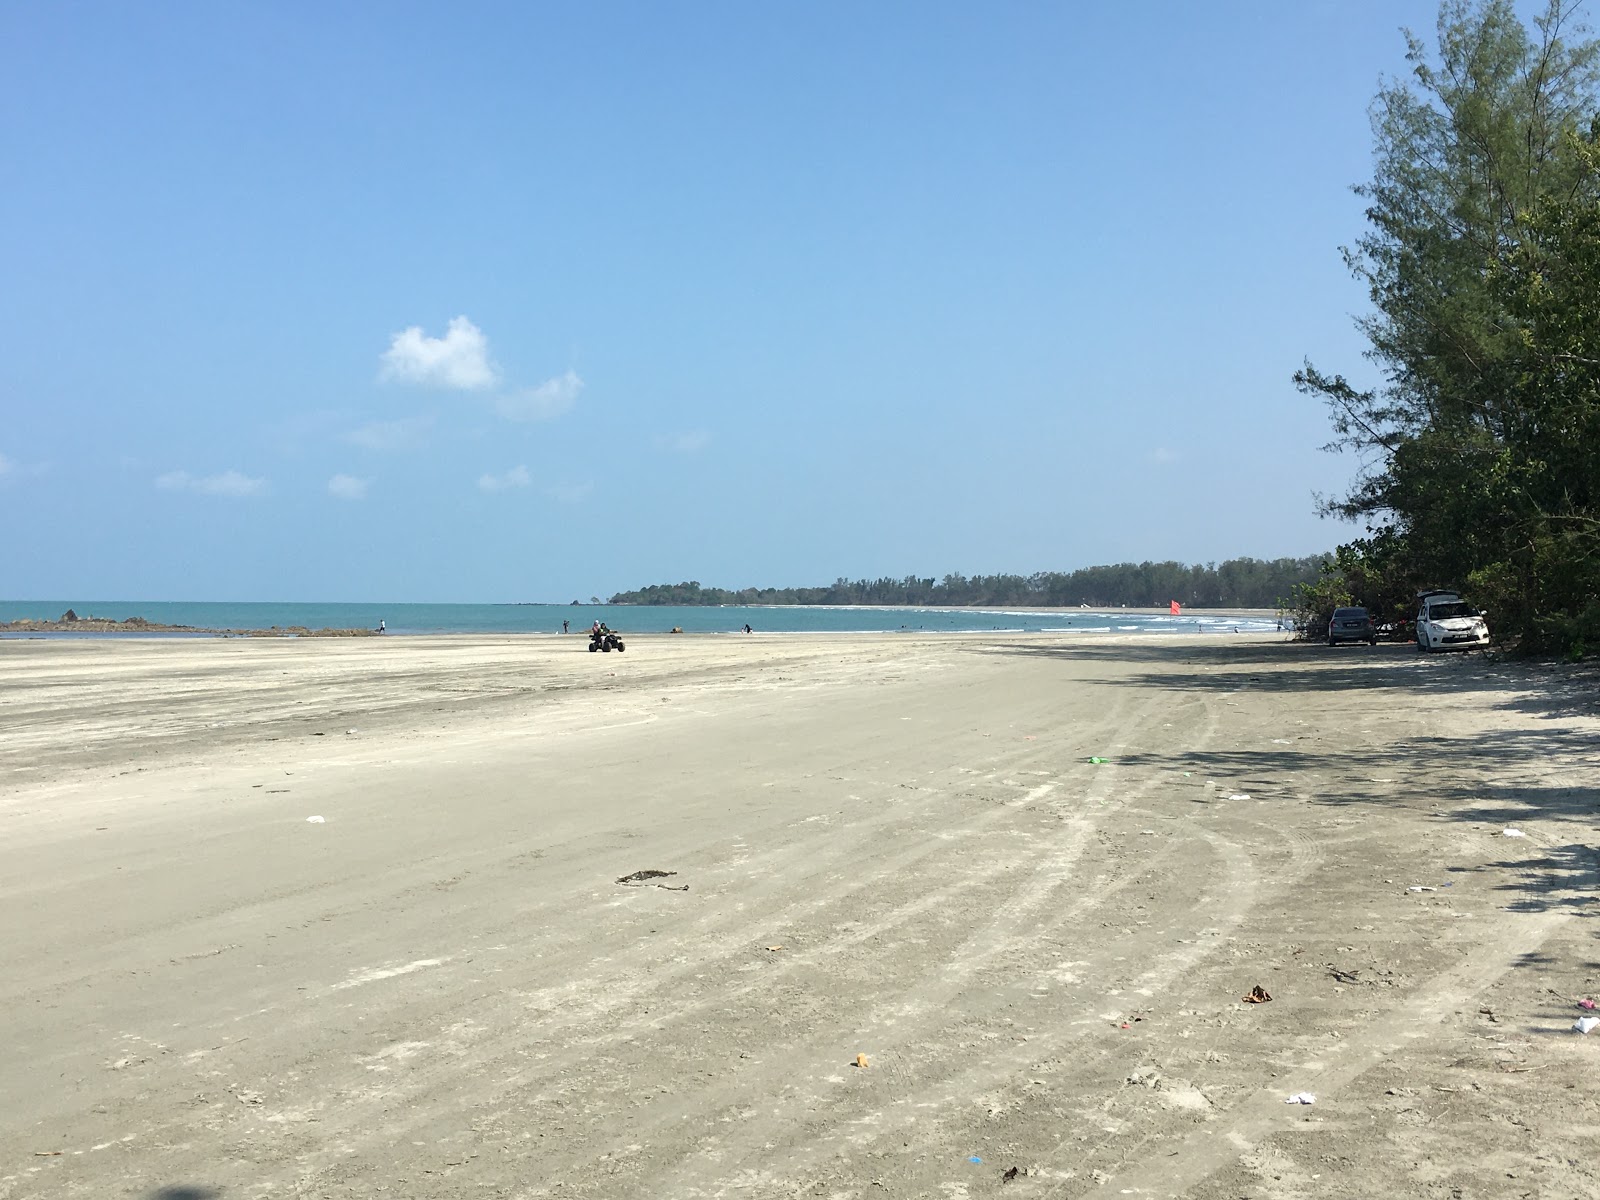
(1477, 450)
(1371, 572)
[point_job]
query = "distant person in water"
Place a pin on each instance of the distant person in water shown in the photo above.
(747, 629)
(563, 627)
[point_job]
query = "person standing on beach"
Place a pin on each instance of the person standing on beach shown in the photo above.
(380, 625)
(563, 627)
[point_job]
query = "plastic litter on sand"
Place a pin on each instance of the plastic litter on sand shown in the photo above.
(1301, 1098)
(1098, 760)
(1422, 888)
(316, 820)
(1512, 833)
(1586, 1003)
(1585, 1024)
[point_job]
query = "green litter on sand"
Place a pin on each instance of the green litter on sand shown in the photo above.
(1099, 760)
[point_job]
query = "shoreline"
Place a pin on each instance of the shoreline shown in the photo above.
(181, 633)
(192, 621)
(139, 627)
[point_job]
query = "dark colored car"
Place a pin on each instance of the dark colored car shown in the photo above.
(1352, 625)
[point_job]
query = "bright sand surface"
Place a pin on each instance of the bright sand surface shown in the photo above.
(892, 847)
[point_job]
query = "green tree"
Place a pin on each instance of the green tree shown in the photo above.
(1477, 157)
(1544, 475)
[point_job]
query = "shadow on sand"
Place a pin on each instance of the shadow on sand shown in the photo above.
(1545, 772)
(1538, 688)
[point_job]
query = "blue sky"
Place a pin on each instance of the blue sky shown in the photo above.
(515, 302)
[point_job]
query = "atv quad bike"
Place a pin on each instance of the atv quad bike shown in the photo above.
(605, 639)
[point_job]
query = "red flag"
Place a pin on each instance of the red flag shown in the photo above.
(1176, 610)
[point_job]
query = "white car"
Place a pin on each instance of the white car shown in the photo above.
(1447, 622)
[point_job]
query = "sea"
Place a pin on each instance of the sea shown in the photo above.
(547, 618)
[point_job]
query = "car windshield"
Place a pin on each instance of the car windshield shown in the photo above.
(1443, 612)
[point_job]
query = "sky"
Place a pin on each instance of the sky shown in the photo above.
(524, 302)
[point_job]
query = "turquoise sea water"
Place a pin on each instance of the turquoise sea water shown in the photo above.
(547, 618)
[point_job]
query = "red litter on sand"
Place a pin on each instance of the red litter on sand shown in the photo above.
(1589, 1004)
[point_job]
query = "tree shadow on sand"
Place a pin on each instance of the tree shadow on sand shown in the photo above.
(1496, 778)
(1307, 667)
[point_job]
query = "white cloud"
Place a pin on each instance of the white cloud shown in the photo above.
(569, 493)
(686, 443)
(517, 477)
(550, 399)
(1162, 455)
(348, 487)
(390, 435)
(459, 360)
(10, 468)
(228, 483)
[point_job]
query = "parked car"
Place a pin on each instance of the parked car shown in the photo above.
(1351, 625)
(1447, 622)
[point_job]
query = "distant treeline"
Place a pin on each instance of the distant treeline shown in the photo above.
(1237, 583)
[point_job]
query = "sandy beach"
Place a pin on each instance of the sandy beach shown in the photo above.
(886, 847)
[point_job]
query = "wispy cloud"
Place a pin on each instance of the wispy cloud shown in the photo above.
(10, 469)
(458, 361)
(569, 493)
(517, 477)
(348, 487)
(1161, 456)
(228, 483)
(390, 435)
(685, 443)
(550, 399)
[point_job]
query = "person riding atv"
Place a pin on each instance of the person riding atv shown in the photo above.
(603, 638)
